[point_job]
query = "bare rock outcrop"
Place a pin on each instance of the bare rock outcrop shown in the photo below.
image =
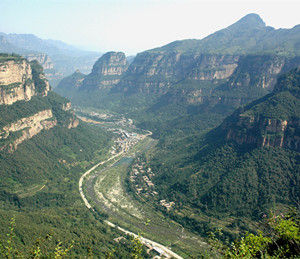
(27, 128)
(17, 82)
(264, 132)
(107, 71)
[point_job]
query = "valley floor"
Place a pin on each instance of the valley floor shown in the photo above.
(103, 188)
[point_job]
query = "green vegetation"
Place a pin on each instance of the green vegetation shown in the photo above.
(4, 57)
(52, 239)
(278, 237)
(22, 109)
(39, 188)
(209, 176)
(227, 176)
(70, 83)
(38, 77)
(106, 189)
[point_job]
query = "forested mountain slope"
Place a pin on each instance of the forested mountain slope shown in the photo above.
(44, 149)
(247, 165)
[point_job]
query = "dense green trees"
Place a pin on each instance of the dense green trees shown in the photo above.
(278, 237)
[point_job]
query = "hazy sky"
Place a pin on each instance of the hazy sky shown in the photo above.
(135, 25)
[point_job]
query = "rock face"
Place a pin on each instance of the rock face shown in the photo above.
(210, 67)
(107, 71)
(265, 132)
(271, 121)
(50, 70)
(20, 81)
(229, 68)
(225, 55)
(73, 123)
(158, 71)
(43, 59)
(203, 79)
(260, 71)
(28, 127)
(17, 83)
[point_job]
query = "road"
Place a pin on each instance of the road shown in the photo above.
(166, 251)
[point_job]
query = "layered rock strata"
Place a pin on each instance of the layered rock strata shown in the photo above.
(27, 127)
(16, 82)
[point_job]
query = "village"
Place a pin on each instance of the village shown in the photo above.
(125, 140)
(141, 179)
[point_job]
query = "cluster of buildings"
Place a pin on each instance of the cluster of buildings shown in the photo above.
(142, 177)
(167, 205)
(102, 116)
(126, 140)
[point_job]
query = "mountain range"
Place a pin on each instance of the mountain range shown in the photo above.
(57, 58)
(185, 91)
(224, 110)
(191, 78)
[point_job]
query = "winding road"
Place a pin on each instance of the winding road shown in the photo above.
(165, 251)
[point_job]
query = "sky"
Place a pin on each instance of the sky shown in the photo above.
(133, 26)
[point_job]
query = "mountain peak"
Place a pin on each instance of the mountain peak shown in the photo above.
(251, 20)
(110, 59)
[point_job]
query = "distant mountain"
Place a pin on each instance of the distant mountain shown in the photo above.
(34, 44)
(105, 75)
(65, 58)
(107, 71)
(249, 35)
(8, 47)
(70, 83)
(198, 82)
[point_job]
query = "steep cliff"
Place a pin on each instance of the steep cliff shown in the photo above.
(27, 107)
(214, 76)
(244, 167)
(189, 81)
(20, 80)
(26, 128)
(44, 60)
(214, 57)
(271, 121)
(224, 68)
(157, 72)
(106, 72)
